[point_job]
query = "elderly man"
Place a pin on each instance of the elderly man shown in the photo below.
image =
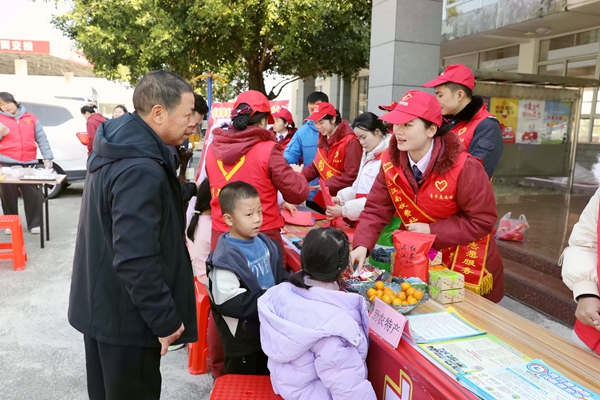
(132, 289)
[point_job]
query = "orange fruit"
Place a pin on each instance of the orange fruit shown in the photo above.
(401, 295)
(411, 300)
(405, 303)
(386, 299)
(418, 294)
(405, 286)
(388, 291)
(372, 298)
(396, 301)
(410, 291)
(371, 292)
(379, 293)
(379, 285)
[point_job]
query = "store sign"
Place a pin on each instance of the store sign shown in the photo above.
(389, 323)
(24, 46)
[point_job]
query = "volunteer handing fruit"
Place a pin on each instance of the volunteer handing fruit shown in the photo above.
(429, 181)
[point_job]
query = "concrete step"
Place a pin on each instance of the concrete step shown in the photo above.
(515, 252)
(543, 292)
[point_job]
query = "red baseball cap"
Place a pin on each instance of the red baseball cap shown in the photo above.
(284, 114)
(415, 104)
(321, 110)
(456, 73)
(257, 101)
(389, 107)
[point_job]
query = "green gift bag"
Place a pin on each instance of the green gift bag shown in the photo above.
(380, 256)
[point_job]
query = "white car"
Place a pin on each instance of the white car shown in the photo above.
(64, 125)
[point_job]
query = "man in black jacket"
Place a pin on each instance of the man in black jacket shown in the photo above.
(132, 291)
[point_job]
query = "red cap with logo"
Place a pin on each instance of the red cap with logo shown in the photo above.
(257, 101)
(456, 73)
(321, 110)
(389, 107)
(415, 104)
(285, 115)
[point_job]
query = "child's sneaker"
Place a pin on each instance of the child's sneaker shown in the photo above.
(36, 230)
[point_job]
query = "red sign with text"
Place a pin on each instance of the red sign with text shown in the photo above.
(24, 46)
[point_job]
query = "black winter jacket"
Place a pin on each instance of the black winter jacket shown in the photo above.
(243, 308)
(132, 277)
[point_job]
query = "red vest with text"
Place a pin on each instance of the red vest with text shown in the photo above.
(588, 335)
(19, 144)
(466, 129)
(330, 162)
(251, 168)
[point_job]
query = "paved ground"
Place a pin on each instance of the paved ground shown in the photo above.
(42, 357)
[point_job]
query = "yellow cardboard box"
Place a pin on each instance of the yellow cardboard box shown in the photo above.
(446, 296)
(445, 279)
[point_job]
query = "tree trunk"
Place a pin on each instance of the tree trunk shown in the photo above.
(256, 81)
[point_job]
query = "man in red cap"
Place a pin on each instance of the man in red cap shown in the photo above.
(476, 127)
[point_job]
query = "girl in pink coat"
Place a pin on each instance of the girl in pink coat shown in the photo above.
(316, 336)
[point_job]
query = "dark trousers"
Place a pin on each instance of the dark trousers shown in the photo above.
(32, 199)
(251, 364)
(122, 372)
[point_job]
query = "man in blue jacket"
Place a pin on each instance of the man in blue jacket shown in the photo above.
(132, 287)
(303, 146)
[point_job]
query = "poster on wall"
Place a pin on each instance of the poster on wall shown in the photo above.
(530, 121)
(505, 110)
(556, 122)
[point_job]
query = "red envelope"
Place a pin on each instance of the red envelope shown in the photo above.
(326, 196)
(302, 218)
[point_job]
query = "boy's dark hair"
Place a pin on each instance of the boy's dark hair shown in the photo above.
(324, 257)
(8, 98)
(243, 119)
(317, 96)
(200, 105)
(159, 87)
(234, 192)
(202, 204)
(90, 109)
(369, 122)
(455, 87)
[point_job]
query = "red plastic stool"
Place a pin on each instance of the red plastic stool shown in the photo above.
(197, 360)
(18, 252)
(244, 387)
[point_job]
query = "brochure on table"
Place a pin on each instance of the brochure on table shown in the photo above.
(533, 380)
(441, 326)
(473, 354)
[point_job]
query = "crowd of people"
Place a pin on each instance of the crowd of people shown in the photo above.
(424, 166)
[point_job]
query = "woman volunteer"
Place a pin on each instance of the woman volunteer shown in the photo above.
(435, 186)
(338, 156)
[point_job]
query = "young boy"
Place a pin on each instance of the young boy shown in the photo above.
(243, 266)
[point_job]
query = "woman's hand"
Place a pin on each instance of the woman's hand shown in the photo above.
(588, 311)
(358, 255)
(336, 200)
(333, 211)
(297, 168)
(48, 164)
(419, 227)
(316, 187)
(290, 207)
(3, 130)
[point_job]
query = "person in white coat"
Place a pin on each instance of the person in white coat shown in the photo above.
(374, 139)
(580, 272)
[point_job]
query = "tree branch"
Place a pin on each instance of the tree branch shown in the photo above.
(272, 95)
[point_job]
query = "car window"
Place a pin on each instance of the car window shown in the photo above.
(49, 115)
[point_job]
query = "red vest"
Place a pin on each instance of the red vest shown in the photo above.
(588, 335)
(20, 142)
(466, 129)
(330, 162)
(435, 200)
(251, 168)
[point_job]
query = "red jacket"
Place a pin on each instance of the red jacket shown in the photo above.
(92, 125)
(352, 159)
(290, 134)
(266, 169)
(474, 197)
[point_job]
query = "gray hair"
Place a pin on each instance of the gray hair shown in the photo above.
(159, 87)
